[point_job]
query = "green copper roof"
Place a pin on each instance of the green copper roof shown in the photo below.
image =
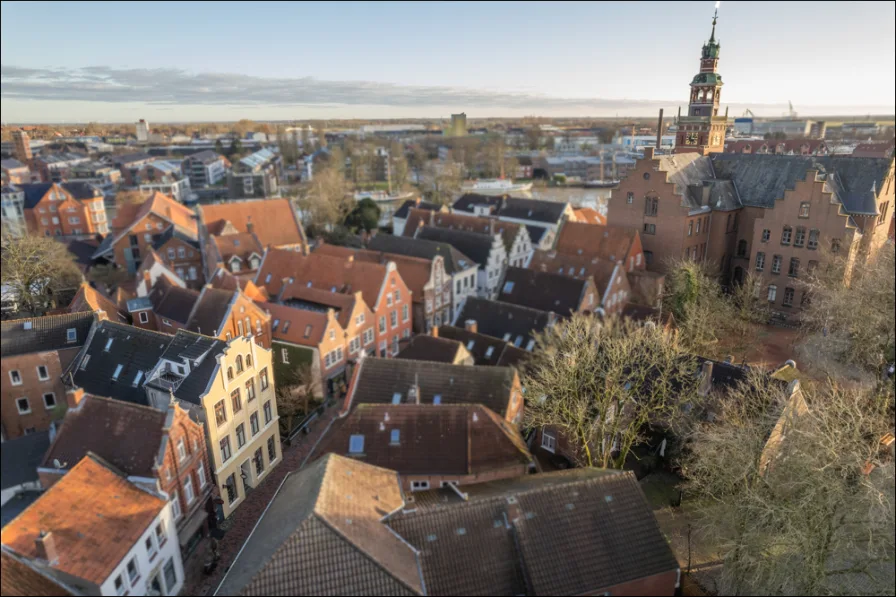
(707, 79)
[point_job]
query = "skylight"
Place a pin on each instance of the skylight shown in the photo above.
(508, 287)
(489, 351)
(108, 344)
(137, 379)
(395, 436)
(396, 398)
(437, 399)
(285, 326)
(118, 369)
(356, 444)
(470, 344)
(71, 335)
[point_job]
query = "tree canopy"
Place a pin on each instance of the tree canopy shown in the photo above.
(35, 267)
(365, 216)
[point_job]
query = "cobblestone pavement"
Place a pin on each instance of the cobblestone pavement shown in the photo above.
(246, 515)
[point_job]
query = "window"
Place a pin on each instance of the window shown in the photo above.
(760, 262)
(630, 198)
(785, 236)
(368, 336)
(741, 248)
(356, 444)
(800, 238)
(772, 293)
(794, 271)
(395, 437)
(170, 576)
(181, 252)
(788, 297)
(264, 378)
(42, 373)
(23, 406)
(698, 226)
(382, 324)
(239, 328)
(691, 228)
(200, 470)
(393, 319)
(419, 485)
(220, 413)
(230, 487)
(397, 294)
(267, 412)
(230, 374)
(144, 317)
(776, 264)
(649, 228)
(119, 586)
(117, 372)
(170, 253)
(133, 571)
(804, 209)
(71, 335)
(651, 206)
(272, 450)
(239, 363)
(250, 390)
(548, 441)
(766, 235)
(236, 401)
(181, 450)
(225, 449)
(50, 400)
(253, 423)
(249, 360)
(883, 209)
(240, 436)
(259, 462)
(15, 378)
(647, 176)
(151, 548)
(188, 489)
(813, 240)
(388, 300)
(404, 312)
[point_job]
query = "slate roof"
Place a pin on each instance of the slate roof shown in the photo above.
(41, 334)
(536, 232)
(159, 240)
(455, 260)
(449, 439)
(136, 350)
(472, 244)
(418, 217)
(11, 164)
(468, 202)
(126, 435)
(402, 212)
(20, 458)
(200, 352)
(422, 347)
(95, 516)
(172, 302)
(514, 323)
(542, 290)
(128, 158)
(549, 212)
(210, 310)
(206, 156)
(762, 179)
(377, 381)
(502, 354)
(561, 533)
(325, 519)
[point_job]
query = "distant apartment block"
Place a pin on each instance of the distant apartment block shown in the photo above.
(142, 131)
(205, 168)
(256, 175)
(22, 146)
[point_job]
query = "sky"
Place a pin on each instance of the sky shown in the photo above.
(190, 61)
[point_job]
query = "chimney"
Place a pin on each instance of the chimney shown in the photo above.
(414, 392)
(471, 326)
(250, 227)
(649, 152)
(46, 547)
(435, 331)
(513, 510)
(74, 395)
(705, 378)
(350, 258)
(659, 129)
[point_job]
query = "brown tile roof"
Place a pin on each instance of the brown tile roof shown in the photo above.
(612, 243)
(122, 296)
(241, 244)
(296, 326)
(171, 301)
(224, 279)
(450, 439)
(502, 354)
(322, 272)
(812, 146)
(90, 299)
(161, 205)
(210, 310)
(20, 577)
(575, 266)
(414, 271)
(543, 290)
(274, 221)
(588, 215)
(326, 521)
(382, 381)
(95, 516)
(429, 348)
(126, 435)
(564, 533)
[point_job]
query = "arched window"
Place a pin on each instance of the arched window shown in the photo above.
(248, 360)
(742, 248)
(651, 206)
(239, 364)
(229, 373)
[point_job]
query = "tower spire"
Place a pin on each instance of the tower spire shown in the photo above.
(715, 18)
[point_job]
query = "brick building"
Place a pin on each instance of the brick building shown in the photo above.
(164, 451)
(226, 314)
(35, 352)
(67, 209)
(548, 291)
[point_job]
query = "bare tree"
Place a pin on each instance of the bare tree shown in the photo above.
(601, 383)
(129, 197)
(794, 493)
(34, 267)
(442, 182)
(107, 275)
(296, 390)
(327, 198)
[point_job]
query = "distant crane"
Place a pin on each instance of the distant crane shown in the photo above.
(791, 113)
(749, 112)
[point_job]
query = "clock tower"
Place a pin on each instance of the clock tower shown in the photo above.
(703, 130)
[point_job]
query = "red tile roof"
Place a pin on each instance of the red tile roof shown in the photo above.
(606, 242)
(297, 326)
(161, 205)
(19, 577)
(95, 516)
(241, 244)
(574, 266)
(343, 304)
(90, 299)
(587, 215)
(273, 221)
(415, 271)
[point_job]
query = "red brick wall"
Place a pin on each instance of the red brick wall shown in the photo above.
(14, 424)
(192, 258)
(193, 436)
(393, 282)
(658, 585)
(242, 309)
(69, 208)
(156, 226)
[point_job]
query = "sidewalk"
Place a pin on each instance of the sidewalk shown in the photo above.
(246, 515)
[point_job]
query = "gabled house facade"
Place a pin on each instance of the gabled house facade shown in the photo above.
(486, 250)
(73, 209)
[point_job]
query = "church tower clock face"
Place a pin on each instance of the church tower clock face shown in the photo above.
(691, 139)
(716, 139)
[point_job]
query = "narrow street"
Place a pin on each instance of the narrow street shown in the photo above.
(246, 516)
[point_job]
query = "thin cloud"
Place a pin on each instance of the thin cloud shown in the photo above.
(169, 86)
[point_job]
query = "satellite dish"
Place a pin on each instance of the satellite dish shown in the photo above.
(56, 463)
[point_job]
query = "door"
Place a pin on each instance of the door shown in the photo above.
(246, 475)
(738, 275)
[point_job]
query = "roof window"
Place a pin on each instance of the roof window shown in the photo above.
(108, 345)
(118, 369)
(437, 399)
(508, 287)
(356, 444)
(396, 398)
(395, 437)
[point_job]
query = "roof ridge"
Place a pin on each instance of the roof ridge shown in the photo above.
(124, 403)
(49, 315)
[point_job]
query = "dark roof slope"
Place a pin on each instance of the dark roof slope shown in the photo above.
(762, 179)
(206, 156)
(566, 533)
(159, 240)
(475, 245)
(469, 201)
(20, 458)
(429, 348)
(538, 210)
(39, 334)
(210, 309)
(455, 261)
(542, 290)
(513, 323)
(450, 439)
(172, 302)
(197, 351)
(402, 212)
(126, 435)
(385, 381)
(486, 350)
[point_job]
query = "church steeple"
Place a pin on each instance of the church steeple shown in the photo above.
(715, 18)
